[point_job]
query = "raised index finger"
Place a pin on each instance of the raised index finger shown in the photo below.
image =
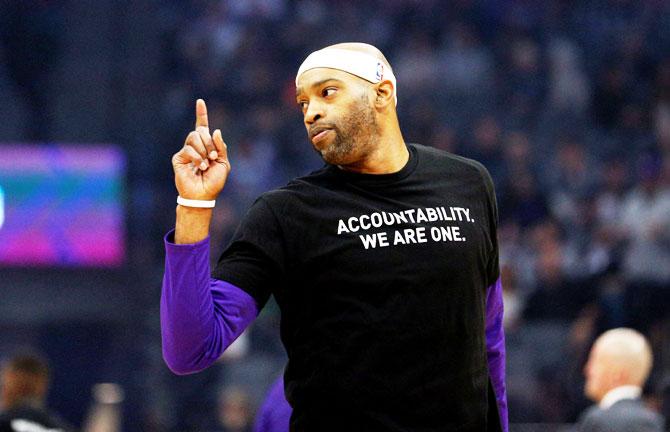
(201, 114)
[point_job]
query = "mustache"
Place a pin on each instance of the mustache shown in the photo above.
(315, 129)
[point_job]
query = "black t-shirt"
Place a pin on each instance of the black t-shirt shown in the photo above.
(28, 418)
(381, 281)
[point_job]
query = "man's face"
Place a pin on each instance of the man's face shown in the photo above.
(596, 374)
(338, 115)
(16, 386)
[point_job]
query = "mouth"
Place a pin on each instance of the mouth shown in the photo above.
(319, 134)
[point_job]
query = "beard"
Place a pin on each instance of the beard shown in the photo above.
(355, 135)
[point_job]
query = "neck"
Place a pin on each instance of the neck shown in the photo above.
(390, 155)
(624, 391)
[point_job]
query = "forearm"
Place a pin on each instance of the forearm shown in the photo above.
(192, 224)
(200, 316)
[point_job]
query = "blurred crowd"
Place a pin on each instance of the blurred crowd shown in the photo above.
(566, 102)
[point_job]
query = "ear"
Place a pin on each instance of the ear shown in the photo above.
(384, 95)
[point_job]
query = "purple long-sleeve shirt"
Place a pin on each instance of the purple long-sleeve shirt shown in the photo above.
(202, 316)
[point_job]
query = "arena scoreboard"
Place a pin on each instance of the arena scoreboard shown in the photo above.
(61, 205)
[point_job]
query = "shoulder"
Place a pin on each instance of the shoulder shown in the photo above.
(589, 418)
(454, 164)
(636, 412)
(596, 419)
(440, 156)
(301, 190)
(623, 415)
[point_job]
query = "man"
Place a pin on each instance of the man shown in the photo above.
(617, 368)
(384, 264)
(24, 382)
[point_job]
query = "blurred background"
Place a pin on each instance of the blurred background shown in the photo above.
(566, 102)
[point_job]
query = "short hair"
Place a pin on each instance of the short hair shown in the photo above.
(29, 364)
(629, 348)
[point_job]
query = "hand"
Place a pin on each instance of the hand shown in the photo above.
(201, 166)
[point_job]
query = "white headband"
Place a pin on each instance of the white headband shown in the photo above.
(356, 63)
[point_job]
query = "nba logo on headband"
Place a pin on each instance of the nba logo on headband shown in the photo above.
(380, 71)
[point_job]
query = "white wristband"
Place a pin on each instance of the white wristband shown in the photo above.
(195, 203)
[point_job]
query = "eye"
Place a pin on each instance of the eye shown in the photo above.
(303, 105)
(328, 91)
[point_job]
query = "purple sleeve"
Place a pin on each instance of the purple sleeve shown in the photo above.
(495, 347)
(275, 413)
(200, 316)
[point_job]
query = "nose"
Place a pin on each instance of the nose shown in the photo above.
(313, 113)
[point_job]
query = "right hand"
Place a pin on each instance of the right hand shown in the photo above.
(201, 166)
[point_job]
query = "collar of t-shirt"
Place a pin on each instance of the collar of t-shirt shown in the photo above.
(379, 179)
(619, 393)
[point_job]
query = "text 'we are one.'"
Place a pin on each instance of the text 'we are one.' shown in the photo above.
(405, 236)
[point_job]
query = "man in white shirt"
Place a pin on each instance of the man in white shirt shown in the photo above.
(617, 368)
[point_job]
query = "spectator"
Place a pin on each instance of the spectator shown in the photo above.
(570, 178)
(568, 84)
(486, 146)
(467, 65)
(523, 202)
(24, 381)
(557, 296)
(611, 93)
(234, 412)
(105, 413)
(617, 368)
(645, 225)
